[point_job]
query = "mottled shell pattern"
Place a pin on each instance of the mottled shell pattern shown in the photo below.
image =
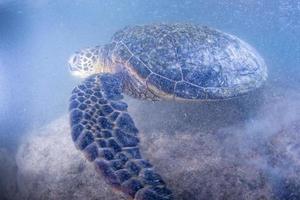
(185, 61)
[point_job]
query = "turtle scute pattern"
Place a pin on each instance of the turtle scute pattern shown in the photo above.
(105, 132)
(189, 61)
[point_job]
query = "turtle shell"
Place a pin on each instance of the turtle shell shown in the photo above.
(189, 61)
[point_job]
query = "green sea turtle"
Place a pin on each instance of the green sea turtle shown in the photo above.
(156, 62)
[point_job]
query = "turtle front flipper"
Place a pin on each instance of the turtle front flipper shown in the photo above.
(105, 132)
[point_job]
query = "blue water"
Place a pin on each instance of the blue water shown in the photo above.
(37, 37)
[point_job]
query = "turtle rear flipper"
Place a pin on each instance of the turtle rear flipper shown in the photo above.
(105, 132)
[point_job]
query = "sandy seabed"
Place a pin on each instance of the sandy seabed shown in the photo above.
(240, 149)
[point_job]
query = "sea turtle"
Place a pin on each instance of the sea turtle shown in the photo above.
(177, 61)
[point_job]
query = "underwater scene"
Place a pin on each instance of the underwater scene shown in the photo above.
(150, 100)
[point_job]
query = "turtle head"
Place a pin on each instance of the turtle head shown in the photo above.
(87, 62)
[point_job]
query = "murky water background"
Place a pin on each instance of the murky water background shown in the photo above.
(36, 38)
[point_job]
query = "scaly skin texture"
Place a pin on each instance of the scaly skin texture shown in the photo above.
(103, 129)
(179, 61)
(163, 61)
